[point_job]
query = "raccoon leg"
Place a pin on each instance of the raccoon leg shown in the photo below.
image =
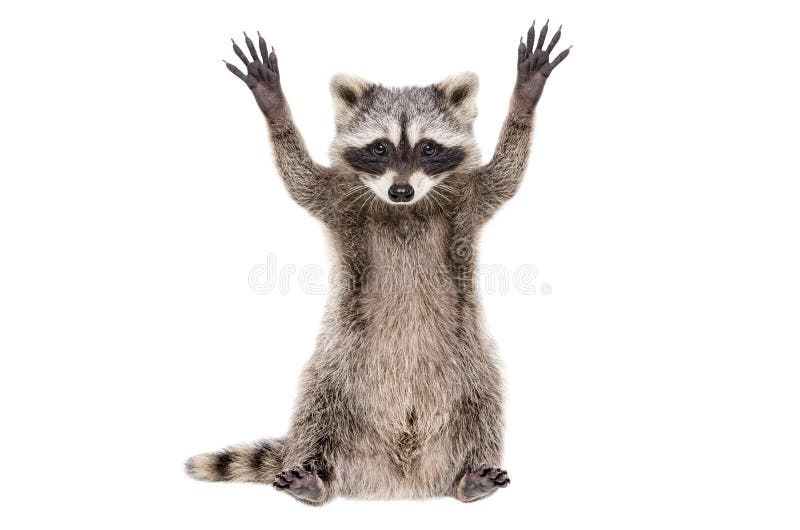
(478, 434)
(258, 462)
(306, 181)
(501, 177)
(313, 440)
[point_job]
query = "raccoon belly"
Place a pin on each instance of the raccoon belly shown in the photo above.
(407, 380)
(410, 465)
(410, 311)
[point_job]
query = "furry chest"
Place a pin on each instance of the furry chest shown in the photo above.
(409, 299)
(410, 313)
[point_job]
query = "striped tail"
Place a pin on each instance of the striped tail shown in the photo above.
(257, 462)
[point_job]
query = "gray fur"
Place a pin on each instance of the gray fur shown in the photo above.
(403, 397)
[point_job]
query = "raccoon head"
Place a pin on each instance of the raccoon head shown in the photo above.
(402, 142)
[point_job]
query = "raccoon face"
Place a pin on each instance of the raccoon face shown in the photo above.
(403, 142)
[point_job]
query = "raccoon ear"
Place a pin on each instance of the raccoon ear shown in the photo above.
(461, 93)
(347, 90)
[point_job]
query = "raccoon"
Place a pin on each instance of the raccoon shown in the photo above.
(403, 395)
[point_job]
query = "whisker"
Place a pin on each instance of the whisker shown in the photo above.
(355, 189)
(440, 194)
(433, 197)
(358, 198)
(366, 201)
(441, 208)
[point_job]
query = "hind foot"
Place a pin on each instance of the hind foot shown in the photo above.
(302, 483)
(480, 482)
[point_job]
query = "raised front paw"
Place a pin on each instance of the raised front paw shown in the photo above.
(262, 77)
(480, 482)
(303, 483)
(534, 65)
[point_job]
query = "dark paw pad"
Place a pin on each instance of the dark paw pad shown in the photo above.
(302, 483)
(482, 481)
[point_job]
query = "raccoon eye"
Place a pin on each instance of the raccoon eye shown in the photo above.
(428, 149)
(380, 148)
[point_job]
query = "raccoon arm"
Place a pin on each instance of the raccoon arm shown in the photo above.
(306, 181)
(499, 180)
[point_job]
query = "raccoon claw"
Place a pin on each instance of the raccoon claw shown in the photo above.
(534, 65)
(261, 76)
(480, 482)
(303, 483)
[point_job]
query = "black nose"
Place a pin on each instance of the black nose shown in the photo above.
(401, 193)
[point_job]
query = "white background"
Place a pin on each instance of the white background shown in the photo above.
(655, 387)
